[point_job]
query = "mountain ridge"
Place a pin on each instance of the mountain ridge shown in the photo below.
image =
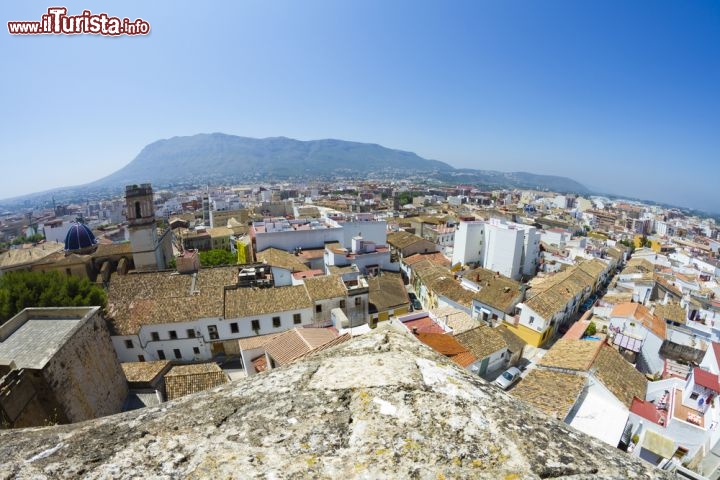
(219, 158)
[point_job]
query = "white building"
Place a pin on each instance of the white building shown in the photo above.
(510, 248)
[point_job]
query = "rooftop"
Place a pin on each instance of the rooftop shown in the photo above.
(325, 287)
(246, 302)
(571, 354)
(293, 344)
(143, 372)
(482, 341)
(281, 258)
(184, 380)
(387, 291)
(33, 336)
(553, 393)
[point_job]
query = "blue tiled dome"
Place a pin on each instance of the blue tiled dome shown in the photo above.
(79, 237)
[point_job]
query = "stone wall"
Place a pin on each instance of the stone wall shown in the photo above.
(85, 374)
(378, 407)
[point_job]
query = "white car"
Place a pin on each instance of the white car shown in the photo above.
(508, 378)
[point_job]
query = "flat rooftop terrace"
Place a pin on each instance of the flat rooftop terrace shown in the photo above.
(32, 337)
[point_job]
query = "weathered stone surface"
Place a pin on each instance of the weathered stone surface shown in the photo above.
(379, 407)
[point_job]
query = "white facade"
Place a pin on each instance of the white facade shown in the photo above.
(600, 415)
(509, 248)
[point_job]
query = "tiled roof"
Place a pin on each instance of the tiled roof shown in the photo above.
(577, 330)
(442, 282)
(594, 267)
(706, 379)
(571, 354)
(457, 320)
(183, 380)
(145, 372)
(671, 311)
(403, 239)
(464, 359)
(442, 343)
(641, 314)
(283, 259)
(435, 257)
(387, 292)
(106, 250)
(20, 256)
(482, 341)
(553, 393)
(290, 345)
(498, 292)
(259, 341)
(325, 287)
(336, 341)
(424, 324)
(247, 302)
(620, 377)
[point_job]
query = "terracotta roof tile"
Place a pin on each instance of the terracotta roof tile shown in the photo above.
(482, 341)
(325, 287)
(184, 380)
(283, 259)
(553, 393)
(291, 345)
(571, 354)
(248, 302)
(137, 372)
(620, 377)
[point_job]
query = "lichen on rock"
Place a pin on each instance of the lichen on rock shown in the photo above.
(381, 406)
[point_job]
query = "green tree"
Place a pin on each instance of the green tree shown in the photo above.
(213, 258)
(20, 290)
(591, 329)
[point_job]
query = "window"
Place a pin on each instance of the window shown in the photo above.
(190, 332)
(173, 335)
(161, 355)
(177, 353)
(129, 344)
(318, 308)
(141, 358)
(297, 319)
(212, 331)
(155, 336)
(342, 303)
(196, 350)
(358, 300)
(234, 327)
(532, 319)
(256, 325)
(694, 396)
(276, 322)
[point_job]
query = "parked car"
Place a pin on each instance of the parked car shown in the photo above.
(508, 378)
(414, 301)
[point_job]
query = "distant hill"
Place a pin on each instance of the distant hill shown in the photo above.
(219, 158)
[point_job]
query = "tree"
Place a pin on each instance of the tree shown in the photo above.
(20, 290)
(213, 258)
(591, 329)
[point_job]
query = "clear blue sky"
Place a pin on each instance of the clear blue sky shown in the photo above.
(622, 96)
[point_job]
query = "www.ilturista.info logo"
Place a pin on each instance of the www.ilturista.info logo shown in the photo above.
(57, 21)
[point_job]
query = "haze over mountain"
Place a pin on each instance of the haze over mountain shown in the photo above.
(217, 157)
(220, 159)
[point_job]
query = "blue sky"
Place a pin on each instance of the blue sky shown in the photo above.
(621, 96)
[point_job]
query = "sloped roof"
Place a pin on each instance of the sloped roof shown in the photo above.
(184, 380)
(387, 291)
(435, 257)
(482, 341)
(293, 344)
(325, 287)
(21, 256)
(553, 393)
(514, 343)
(144, 372)
(403, 239)
(442, 343)
(246, 302)
(258, 341)
(283, 259)
(641, 314)
(620, 377)
(571, 354)
(498, 292)
(671, 311)
(458, 320)
(706, 379)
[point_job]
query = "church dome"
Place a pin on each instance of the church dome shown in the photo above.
(79, 237)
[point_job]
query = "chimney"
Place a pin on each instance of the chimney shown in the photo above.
(415, 330)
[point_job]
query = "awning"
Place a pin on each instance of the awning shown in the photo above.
(628, 343)
(658, 444)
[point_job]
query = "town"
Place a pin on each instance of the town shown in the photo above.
(598, 312)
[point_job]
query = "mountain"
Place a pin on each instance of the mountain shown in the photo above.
(207, 159)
